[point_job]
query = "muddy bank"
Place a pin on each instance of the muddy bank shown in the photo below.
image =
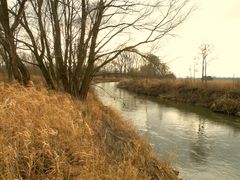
(48, 134)
(214, 98)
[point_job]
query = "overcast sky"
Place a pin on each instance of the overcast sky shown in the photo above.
(216, 22)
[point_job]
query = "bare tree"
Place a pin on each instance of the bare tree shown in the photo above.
(205, 51)
(195, 64)
(154, 67)
(114, 21)
(124, 63)
(72, 40)
(6, 61)
(7, 39)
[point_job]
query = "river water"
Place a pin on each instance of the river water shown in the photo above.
(200, 144)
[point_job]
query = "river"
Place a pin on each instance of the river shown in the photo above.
(200, 144)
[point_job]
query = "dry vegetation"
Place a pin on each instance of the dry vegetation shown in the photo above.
(45, 134)
(100, 79)
(213, 84)
(220, 96)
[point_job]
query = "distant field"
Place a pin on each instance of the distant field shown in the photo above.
(213, 84)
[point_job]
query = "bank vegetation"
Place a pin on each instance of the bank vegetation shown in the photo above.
(219, 96)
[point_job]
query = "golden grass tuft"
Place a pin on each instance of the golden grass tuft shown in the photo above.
(47, 134)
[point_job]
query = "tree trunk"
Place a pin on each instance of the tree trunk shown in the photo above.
(202, 70)
(86, 82)
(205, 71)
(19, 70)
(24, 71)
(61, 69)
(46, 74)
(7, 64)
(85, 87)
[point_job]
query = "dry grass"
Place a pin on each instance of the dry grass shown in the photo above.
(50, 135)
(214, 84)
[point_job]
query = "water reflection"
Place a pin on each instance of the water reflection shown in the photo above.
(199, 150)
(206, 144)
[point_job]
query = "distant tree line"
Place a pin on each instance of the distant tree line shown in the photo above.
(139, 65)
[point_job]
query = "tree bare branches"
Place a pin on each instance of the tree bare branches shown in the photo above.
(72, 40)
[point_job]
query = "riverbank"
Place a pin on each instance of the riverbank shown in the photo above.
(48, 134)
(106, 79)
(216, 97)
